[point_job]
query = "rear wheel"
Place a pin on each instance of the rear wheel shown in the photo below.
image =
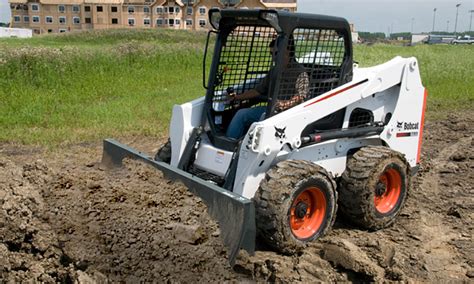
(374, 187)
(164, 153)
(296, 203)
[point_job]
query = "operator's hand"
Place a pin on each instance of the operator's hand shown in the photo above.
(231, 97)
(231, 94)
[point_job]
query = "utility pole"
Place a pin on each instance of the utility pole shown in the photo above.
(434, 18)
(470, 22)
(456, 23)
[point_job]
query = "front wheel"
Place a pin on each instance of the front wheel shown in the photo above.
(374, 187)
(296, 203)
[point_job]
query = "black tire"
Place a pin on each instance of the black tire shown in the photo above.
(280, 204)
(374, 187)
(164, 153)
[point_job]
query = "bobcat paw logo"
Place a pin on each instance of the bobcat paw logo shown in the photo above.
(399, 124)
(280, 132)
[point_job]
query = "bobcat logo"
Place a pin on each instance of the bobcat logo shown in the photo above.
(399, 124)
(280, 132)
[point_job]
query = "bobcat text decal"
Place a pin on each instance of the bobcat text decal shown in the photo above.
(404, 126)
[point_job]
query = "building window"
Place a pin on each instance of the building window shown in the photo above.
(100, 9)
(49, 19)
(62, 20)
(62, 30)
(131, 9)
(114, 9)
(36, 31)
(202, 23)
(202, 10)
(50, 30)
(36, 19)
(146, 21)
(114, 21)
(61, 8)
(146, 9)
(87, 8)
(26, 19)
(177, 22)
(171, 22)
(16, 19)
(189, 10)
(131, 21)
(159, 10)
(188, 2)
(88, 20)
(35, 7)
(189, 22)
(75, 8)
(159, 22)
(171, 10)
(76, 20)
(176, 10)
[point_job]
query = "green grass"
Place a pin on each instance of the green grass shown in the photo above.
(59, 89)
(446, 71)
(87, 86)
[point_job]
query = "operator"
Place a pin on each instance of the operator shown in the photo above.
(294, 87)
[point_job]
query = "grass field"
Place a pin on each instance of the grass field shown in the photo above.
(83, 87)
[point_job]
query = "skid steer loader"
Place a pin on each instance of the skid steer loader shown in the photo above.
(347, 137)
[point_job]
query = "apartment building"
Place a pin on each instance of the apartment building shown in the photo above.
(57, 16)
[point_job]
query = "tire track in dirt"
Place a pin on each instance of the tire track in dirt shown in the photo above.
(433, 230)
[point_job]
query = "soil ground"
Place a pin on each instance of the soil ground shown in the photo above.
(64, 218)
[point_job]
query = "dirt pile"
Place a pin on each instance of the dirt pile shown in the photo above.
(29, 247)
(67, 219)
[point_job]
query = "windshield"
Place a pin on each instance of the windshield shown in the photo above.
(245, 59)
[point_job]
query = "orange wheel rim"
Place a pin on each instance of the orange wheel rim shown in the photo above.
(388, 190)
(307, 212)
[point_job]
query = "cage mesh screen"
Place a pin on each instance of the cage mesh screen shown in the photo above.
(245, 59)
(316, 57)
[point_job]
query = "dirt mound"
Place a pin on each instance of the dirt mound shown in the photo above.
(66, 219)
(29, 247)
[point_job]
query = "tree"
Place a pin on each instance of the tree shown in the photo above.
(367, 36)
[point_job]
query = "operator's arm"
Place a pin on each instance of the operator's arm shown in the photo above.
(247, 95)
(260, 89)
(301, 88)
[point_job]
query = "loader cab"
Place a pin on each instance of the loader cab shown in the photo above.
(320, 47)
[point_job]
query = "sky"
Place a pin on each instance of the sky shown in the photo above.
(377, 15)
(394, 15)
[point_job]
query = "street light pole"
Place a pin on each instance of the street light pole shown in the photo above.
(456, 23)
(470, 22)
(434, 18)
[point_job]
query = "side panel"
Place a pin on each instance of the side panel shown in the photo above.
(403, 133)
(332, 155)
(184, 118)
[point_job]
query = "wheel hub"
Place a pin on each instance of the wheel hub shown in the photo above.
(380, 189)
(301, 209)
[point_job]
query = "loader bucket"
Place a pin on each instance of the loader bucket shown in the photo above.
(234, 213)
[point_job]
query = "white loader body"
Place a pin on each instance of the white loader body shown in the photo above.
(393, 88)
